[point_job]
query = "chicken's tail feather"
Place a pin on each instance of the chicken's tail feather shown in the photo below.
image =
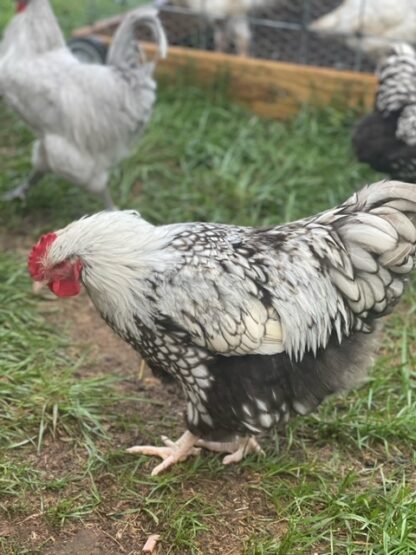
(125, 50)
(377, 227)
(396, 194)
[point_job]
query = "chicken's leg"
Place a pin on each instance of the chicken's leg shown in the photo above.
(240, 30)
(220, 36)
(188, 445)
(20, 192)
(108, 201)
(173, 452)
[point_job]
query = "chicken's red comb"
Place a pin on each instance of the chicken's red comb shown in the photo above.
(35, 260)
(21, 5)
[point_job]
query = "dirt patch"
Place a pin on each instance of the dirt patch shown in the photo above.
(80, 539)
(91, 541)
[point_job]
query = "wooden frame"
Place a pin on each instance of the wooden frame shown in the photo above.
(268, 88)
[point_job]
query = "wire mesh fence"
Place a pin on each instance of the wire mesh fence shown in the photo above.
(279, 31)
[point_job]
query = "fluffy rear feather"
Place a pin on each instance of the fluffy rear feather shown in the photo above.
(377, 228)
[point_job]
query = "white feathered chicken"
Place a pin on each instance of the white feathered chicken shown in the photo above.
(370, 25)
(256, 324)
(229, 18)
(86, 117)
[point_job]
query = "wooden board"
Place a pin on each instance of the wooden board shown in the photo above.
(268, 88)
(103, 26)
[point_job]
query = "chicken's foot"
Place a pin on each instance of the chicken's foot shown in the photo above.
(172, 453)
(238, 448)
(21, 190)
(189, 444)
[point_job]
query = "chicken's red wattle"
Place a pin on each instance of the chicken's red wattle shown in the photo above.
(68, 286)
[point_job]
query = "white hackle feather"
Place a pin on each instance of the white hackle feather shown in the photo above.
(22, 39)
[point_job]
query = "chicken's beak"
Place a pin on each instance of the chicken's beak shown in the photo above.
(38, 286)
(40, 289)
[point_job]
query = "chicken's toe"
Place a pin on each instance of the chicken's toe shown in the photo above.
(150, 450)
(172, 453)
(246, 446)
(238, 448)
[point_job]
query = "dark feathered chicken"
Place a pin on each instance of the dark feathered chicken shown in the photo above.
(386, 139)
(256, 324)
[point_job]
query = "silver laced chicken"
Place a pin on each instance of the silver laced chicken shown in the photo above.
(86, 118)
(386, 139)
(255, 324)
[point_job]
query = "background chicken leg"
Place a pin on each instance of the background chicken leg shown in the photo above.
(21, 190)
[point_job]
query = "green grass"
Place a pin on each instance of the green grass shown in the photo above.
(40, 395)
(206, 159)
(342, 480)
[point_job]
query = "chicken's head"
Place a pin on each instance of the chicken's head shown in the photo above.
(62, 273)
(21, 5)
